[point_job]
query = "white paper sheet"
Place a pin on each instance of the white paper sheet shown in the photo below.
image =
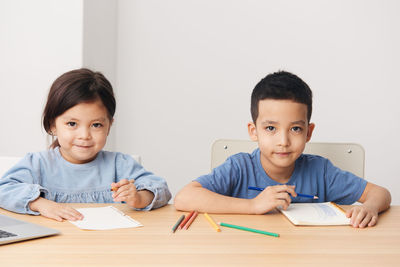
(104, 218)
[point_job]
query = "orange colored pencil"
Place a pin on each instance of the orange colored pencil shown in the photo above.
(191, 220)
(185, 220)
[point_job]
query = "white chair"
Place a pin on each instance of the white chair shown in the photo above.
(346, 156)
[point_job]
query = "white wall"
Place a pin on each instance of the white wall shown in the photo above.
(183, 72)
(39, 40)
(186, 69)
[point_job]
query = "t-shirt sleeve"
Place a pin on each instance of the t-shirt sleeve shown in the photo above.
(222, 179)
(342, 187)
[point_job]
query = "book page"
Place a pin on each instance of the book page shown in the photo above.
(326, 213)
(104, 218)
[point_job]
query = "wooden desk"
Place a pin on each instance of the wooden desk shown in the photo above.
(201, 245)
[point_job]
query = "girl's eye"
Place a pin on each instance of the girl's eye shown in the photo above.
(71, 124)
(297, 129)
(97, 125)
(270, 128)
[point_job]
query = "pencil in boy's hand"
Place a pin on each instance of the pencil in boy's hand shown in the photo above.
(298, 194)
(213, 224)
(190, 220)
(177, 223)
(185, 220)
(248, 229)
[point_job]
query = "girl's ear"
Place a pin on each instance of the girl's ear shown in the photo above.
(109, 128)
(310, 130)
(53, 130)
(251, 128)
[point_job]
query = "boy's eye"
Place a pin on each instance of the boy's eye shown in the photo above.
(270, 128)
(71, 124)
(297, 129)
(97, 125)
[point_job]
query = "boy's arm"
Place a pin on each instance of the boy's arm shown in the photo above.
(194, 197)
(375, 199)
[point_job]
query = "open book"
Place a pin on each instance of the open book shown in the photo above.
(326, 213)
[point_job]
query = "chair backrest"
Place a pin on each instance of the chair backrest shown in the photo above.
(346, 156)
(7, 162)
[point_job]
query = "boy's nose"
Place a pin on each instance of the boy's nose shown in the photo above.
(284, 139)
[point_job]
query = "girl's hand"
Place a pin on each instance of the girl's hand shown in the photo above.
(53, 210)
(273, 197)
(362, 216)
(125, 190)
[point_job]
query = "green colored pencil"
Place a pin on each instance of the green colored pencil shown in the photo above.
(248, 229)
(177, 223)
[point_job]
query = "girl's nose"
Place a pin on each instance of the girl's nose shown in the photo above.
(84, 133)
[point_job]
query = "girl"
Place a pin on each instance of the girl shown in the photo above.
(78, 115)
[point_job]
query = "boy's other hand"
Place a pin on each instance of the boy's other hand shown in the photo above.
(362, 216)
(54, 210)
(273, 197)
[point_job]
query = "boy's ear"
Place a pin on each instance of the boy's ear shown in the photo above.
(251, 128)
(310, 130)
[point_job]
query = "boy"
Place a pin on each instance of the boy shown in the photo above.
(281, 106)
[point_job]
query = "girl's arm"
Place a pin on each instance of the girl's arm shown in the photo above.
(375, 199)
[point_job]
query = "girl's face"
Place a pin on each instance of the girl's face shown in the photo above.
(82, 131)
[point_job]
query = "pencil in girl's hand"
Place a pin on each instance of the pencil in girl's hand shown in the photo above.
(185, 220)
(190, 220)
(213, 224)
(177, 223)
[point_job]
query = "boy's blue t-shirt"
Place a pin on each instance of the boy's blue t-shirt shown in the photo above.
(312, 175)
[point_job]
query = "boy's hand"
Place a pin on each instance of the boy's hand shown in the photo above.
(53, 210)
(125, 190)
(362, 216)
(273, 197)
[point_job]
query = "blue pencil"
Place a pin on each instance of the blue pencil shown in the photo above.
(298, 194)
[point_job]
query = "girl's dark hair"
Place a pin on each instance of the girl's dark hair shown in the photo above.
(73, 88)
(281, 85)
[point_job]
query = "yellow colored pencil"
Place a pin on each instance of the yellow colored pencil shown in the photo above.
(213, 224)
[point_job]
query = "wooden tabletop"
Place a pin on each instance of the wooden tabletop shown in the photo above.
(201, 245)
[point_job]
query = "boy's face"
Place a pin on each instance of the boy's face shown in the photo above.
(282, 131)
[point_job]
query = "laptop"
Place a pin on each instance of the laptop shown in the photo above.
(13, 230)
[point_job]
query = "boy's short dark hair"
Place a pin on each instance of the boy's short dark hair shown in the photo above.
(281, 85)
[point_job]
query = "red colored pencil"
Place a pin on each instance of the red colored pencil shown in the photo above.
(191, 220)
(185, 220)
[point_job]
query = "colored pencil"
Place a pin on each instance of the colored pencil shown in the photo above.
(248, 229)
(298, 194)
(191, 220)
(177, 223)
(213, 224)
(185, 220)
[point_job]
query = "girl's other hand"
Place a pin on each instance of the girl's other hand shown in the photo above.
(54, 210)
